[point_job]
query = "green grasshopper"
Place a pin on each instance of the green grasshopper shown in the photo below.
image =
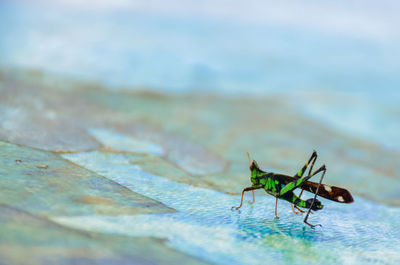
(282, 187)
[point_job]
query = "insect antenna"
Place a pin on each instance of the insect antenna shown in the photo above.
(248, 155)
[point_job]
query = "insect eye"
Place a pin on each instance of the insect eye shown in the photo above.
(255, 164)
(252, 166)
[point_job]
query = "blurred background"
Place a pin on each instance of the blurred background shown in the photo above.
(349, 49)
(184, 89)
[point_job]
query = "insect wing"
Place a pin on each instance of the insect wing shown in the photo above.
(332, 193)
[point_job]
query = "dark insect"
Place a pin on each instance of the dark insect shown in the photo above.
(282, 187)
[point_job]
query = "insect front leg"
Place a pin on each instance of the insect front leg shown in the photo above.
(323, 170)
(254, 199)
(276, 207)
(252, 188)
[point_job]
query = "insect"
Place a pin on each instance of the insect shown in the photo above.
(282, 187)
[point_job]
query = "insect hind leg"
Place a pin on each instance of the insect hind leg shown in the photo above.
(314, 200)
(311, 161)
(300, 174)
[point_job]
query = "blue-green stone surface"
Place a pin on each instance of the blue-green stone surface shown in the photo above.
(124, 132)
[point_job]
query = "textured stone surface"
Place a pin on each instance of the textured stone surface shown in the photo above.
(29, 239)
(63, 188)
